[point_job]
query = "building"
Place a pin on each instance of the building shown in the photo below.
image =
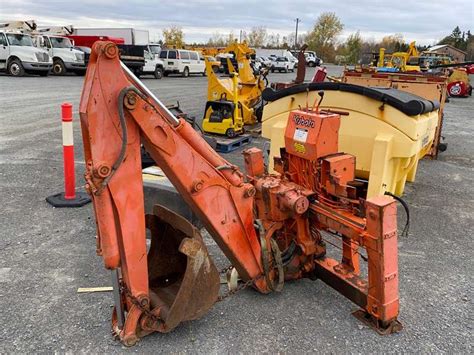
(456, 54)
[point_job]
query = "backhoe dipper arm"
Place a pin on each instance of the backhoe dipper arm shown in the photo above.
(117, 114)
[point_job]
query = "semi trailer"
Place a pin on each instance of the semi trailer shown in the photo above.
(131, 36)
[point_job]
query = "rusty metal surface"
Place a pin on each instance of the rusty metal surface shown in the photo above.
(301, 69)
(312, 169)
(353, 287)
(367, 319)
(183, 280)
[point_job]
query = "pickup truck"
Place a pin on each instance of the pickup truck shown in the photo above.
(312, 60)
(282, 64)
(153, 64)
(141, 60)
(265, 61)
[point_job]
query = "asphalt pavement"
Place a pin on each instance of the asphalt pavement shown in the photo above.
(47, 253)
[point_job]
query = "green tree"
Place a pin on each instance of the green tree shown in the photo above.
(322, 37)
(353, 48)
(173, 36)
(469, 46)
(457, 38)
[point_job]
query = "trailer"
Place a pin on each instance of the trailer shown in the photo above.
(265, 52)
(88, 41)
(131, 36)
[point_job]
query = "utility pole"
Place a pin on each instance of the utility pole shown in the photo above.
(296, 34)
(240, 37)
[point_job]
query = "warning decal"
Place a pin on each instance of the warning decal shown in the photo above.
(301, 135)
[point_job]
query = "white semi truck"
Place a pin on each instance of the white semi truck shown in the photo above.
(60, 49)
(65, 57)
(18, 54)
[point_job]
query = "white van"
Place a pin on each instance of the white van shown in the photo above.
(18, 55)
(180, 61)
(65, 57)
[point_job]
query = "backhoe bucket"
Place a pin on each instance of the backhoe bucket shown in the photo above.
(183, 280)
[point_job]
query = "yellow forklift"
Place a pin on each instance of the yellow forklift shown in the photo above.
(234, 100)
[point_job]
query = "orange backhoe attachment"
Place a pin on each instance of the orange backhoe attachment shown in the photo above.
(272, 228)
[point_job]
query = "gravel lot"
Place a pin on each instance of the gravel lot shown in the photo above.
(46, 253)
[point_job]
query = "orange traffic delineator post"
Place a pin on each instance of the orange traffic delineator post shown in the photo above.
(70, 197)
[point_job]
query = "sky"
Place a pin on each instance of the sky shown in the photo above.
(422, 20)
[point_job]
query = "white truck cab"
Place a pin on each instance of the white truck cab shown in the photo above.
(153, 63)
(154, 49)
(18, 55)
(65, 57)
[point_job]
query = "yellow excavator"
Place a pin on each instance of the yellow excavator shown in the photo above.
(400, 61)
(234, 100)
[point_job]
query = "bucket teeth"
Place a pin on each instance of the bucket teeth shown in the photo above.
(114, 333)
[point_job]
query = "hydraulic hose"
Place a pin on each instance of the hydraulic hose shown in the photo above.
(123, 126)
(407, 212)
